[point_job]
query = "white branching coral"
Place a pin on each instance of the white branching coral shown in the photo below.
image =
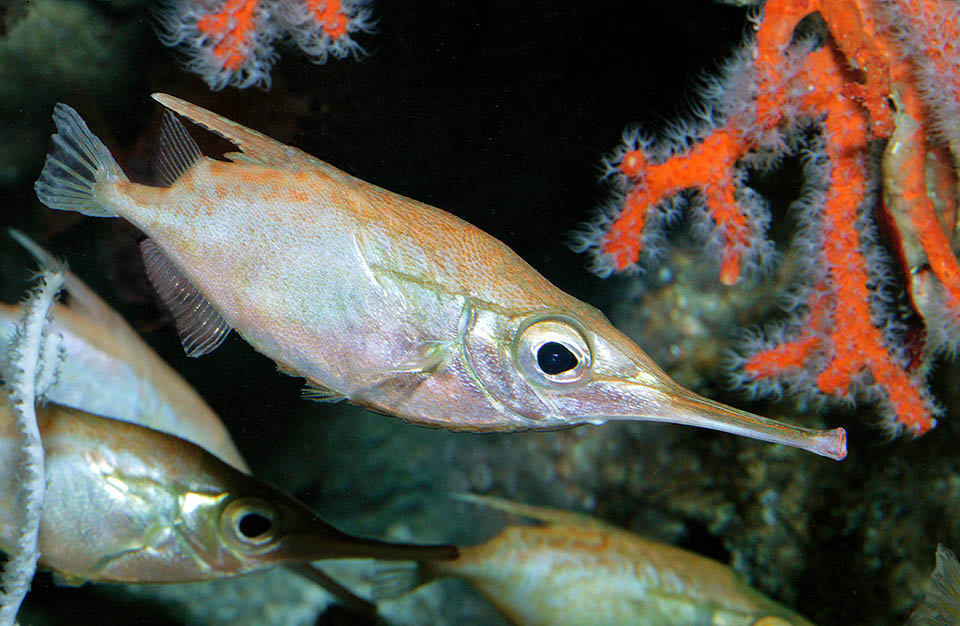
(30, 367)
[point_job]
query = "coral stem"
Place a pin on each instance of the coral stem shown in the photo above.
(27, 367)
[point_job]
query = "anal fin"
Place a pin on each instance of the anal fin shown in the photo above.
(319, 393)
(69, 580)
(201, 327)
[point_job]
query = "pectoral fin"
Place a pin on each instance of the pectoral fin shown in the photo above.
(425, 360)
(403, 378)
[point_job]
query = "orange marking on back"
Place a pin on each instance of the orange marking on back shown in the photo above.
(257, 177)
(569, 538)
(271, 193)
(295, 195)
(267, 184)
(221, 191)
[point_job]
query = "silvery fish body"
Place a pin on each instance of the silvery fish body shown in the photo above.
(125, 503)
(574, 570)
(373, 297)
(105, 368)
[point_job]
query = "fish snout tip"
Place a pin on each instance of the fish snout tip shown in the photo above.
(835, 444)
(841, 444)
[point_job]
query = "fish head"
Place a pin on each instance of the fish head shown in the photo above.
(253, 526)
(137, 505)
(555, 368)
(198, 533)
(129, 504)
(249, 526)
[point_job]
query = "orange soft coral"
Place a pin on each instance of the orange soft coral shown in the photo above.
(231, 42)
(828, 100)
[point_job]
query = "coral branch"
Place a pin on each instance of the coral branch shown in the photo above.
(29, 366)
(928, 33)
(230, 42)
(323, 27)
(227, 43)
(709, 166)
(827, 96)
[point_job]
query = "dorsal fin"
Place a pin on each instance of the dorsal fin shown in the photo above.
(255, 146)
(541, 514)
(200, 326)
(178, 150)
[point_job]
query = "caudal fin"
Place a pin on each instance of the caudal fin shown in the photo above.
(941, 606)
(76, 167)
(390, 582)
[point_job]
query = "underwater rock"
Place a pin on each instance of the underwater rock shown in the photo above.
(49, 48)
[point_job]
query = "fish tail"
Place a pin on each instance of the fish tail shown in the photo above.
(393, 581)
(942, 603)
(77, 167)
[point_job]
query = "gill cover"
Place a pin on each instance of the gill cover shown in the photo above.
(526, 364)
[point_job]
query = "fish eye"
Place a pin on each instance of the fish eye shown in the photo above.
(253, 525)
(250, 521)
(555, 358)
(552, 350)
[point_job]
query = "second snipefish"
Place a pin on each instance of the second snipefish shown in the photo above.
(128, 504)
(574, 569)
(372, 297)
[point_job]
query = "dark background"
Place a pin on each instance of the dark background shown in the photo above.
(499, 112)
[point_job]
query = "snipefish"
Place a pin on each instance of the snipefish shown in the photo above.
(128, 504)
(574, 569)
(106, 369)
(390, 303)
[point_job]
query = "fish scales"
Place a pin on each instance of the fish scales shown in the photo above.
(355, 286)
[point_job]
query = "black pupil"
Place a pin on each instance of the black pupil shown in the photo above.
(554, 358)
(253, 525)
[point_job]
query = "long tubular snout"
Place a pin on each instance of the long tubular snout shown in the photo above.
(677, 405)
(327, 542)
